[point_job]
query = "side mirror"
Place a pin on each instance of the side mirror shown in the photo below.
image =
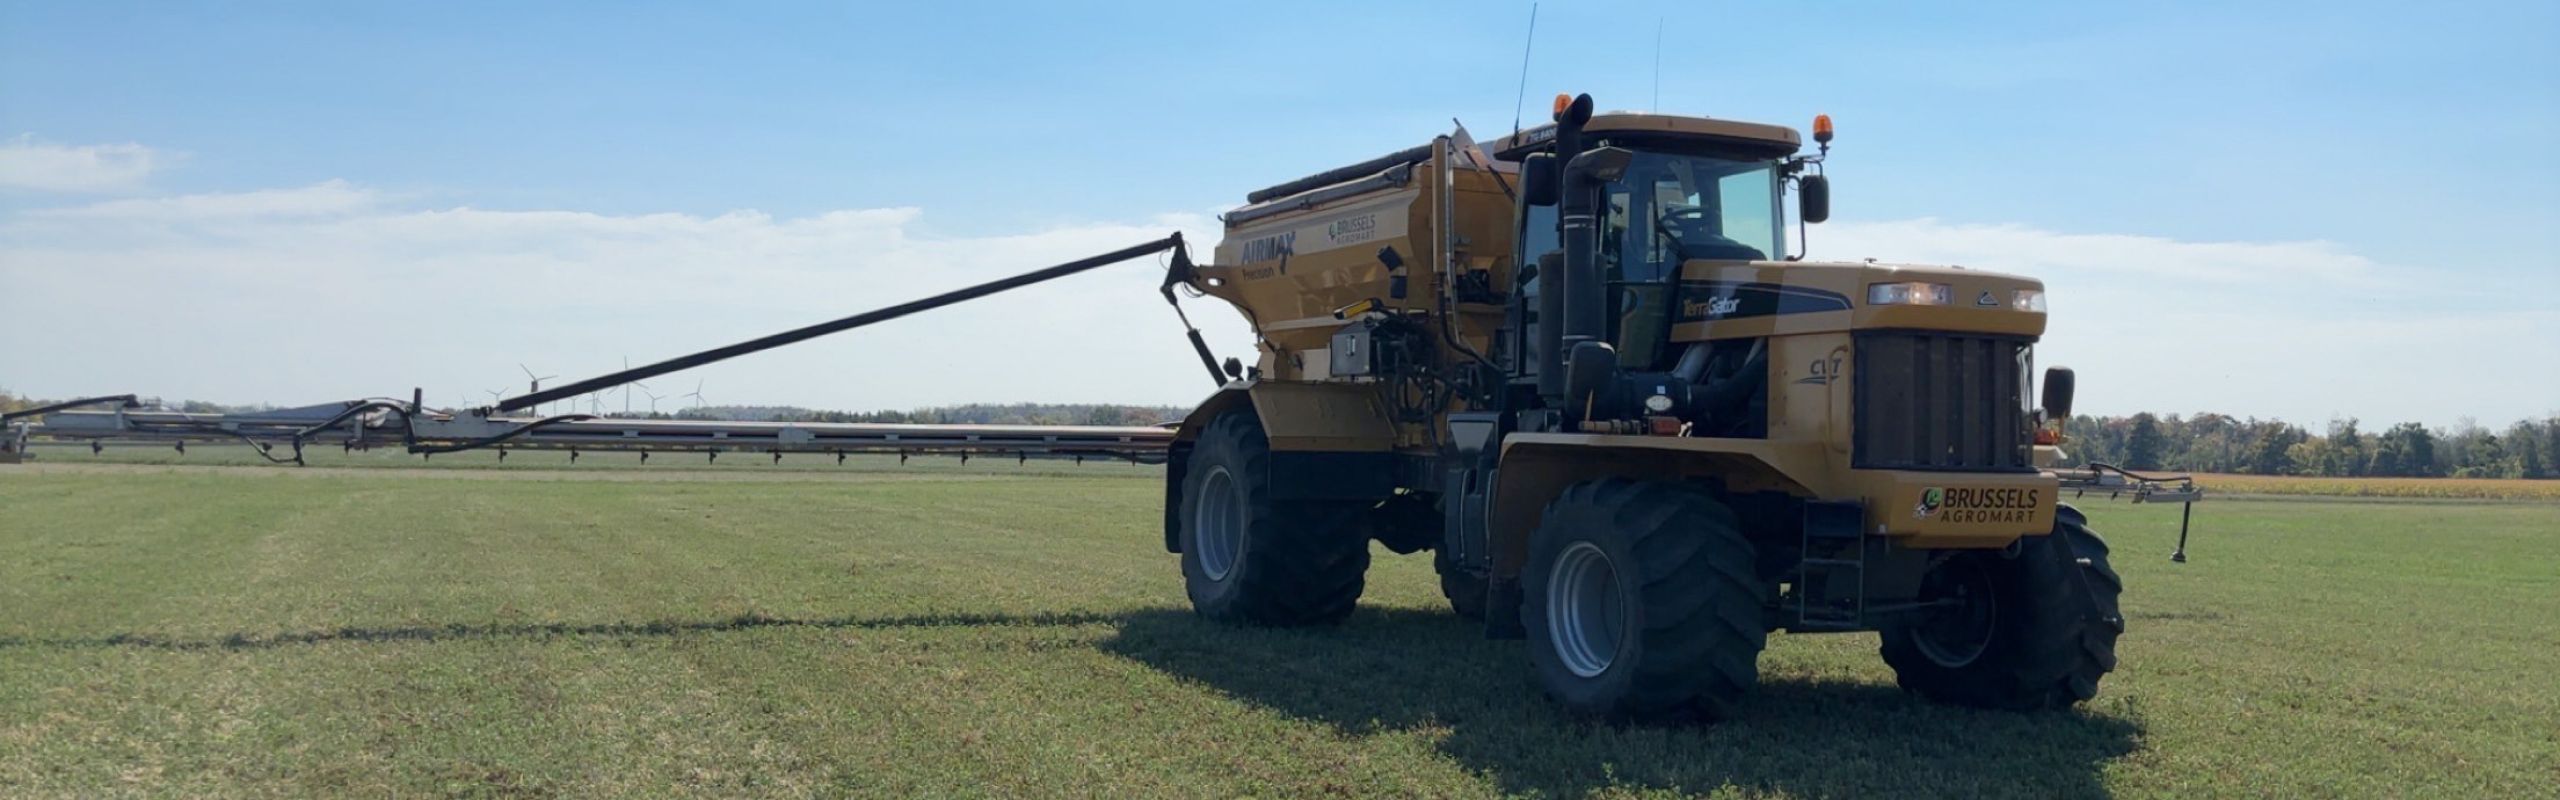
(2057, 392)
(1538, 179)
(1813, 198)
(1587, 370)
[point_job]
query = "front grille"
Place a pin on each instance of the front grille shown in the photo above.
(1941, 401)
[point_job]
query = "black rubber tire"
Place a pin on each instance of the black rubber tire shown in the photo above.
(1300, 563)
(1693, 626)
(1413, 523)
(1465, 590)
(2054, 629)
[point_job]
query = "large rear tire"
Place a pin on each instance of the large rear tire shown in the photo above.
(2035, 629)
(1641, 603)
(1250, 559)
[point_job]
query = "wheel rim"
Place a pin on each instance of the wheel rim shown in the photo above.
(1586, 616)
(1218, 525)
(1955, 637)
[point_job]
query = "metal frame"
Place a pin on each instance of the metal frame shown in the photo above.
(440, 432)
(2117, 481)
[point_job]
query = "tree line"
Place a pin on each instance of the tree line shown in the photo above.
(2210, 442)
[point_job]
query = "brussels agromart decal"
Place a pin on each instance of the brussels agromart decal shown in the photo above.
(1977, 505)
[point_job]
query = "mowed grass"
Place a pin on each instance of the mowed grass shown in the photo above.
(893, 633)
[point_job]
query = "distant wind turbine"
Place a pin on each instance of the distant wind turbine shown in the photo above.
(626, 388)
(536, 382)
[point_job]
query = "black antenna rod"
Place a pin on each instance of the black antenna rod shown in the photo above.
(1522, 97)
(1173, 242)
(1657, 67)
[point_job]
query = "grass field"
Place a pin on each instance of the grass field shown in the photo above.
(988, 631)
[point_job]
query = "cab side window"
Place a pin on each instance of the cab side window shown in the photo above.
(1537, 238)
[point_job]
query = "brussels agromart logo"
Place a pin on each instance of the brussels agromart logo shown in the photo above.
(1974, 505)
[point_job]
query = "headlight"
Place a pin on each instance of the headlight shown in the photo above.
(1909, 294)
(2027, 300)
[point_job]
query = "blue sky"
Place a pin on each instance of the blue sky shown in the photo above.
(2296, 210)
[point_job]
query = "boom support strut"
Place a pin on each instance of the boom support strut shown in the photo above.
(1169, 243)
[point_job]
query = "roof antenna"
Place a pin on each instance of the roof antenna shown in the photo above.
(1525, 48)
(1657, 67)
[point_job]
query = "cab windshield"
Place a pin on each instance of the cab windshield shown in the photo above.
(1670, 208)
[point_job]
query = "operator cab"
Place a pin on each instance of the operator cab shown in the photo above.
(1678, 190)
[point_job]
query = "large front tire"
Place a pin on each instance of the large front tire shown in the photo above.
(2032, 630)
(1641, 603)
(1248, 558)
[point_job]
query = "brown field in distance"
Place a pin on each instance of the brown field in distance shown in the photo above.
(2462, 488)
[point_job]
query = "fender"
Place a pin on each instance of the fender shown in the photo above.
(1535, 467)
(1329, 441)
(1329, 417)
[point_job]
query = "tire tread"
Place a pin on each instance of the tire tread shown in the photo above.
(1304, 563)
(1702, 632)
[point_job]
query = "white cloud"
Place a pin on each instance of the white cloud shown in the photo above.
(2031, 251)
(29, 164)
(319, 199)
(2298, 330)
(334, 291)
